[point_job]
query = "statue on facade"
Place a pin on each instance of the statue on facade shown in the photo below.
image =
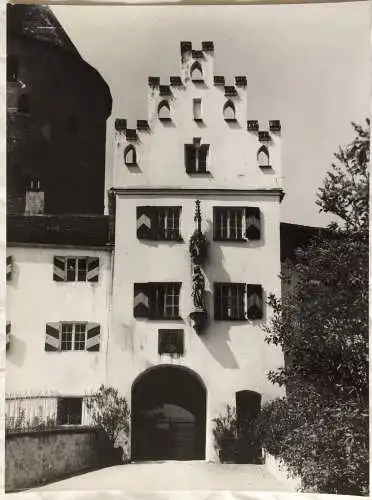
(198, 287)
(198, 242)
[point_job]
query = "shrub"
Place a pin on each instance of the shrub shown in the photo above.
(225, 433)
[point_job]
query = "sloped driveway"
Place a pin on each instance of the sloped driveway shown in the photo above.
(160, 476)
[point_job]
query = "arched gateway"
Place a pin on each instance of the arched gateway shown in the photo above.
(168, 415)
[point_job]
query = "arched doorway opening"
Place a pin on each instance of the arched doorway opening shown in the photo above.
(168, 415)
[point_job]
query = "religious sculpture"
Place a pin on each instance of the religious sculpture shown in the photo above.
(198, 286)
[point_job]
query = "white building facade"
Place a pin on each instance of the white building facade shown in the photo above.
(197, 155)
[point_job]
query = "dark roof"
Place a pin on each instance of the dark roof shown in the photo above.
(81, 230)
(293, 236)
(39, 22)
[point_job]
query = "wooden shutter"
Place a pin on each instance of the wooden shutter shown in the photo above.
(9, 267)
(8, 329)
(254, 302)
(59, 269)
(203, 153)
(252, 223)
(142, 300)
(217, 216)
(146, 218)
(52, 337)
(190, 158)
(93, 269)
(93, 336)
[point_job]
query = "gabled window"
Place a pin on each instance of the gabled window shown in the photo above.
(130, 156)
(66, 268)
(229, 111)
(158, 223)
(197, 112)
(236, 223)
(263, 157)
(196, 156)
(23, 104)
(237, 301)
(69, 411)
(12, 68)
(164, 111)
(72, 336)
(156, 300)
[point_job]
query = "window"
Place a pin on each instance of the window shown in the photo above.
(130, 155)
(263, 157)
(23, 104)
(73, 336)
(229, 301)
(171, 342)
(236, 223)
(164, 111)
(228, 223)
(157, 300)
(12, 68)
(197, 110)
(9, 267)
(69, 411)
(159, 223)
(196, 72)
(238, 301)
(76, 269)
(196, 156)
(229, 111)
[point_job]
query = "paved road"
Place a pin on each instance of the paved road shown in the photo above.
(173, 476)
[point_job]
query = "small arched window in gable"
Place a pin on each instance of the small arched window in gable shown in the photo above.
(263, 157)
(23, 104)
(130, 155)
(196, 72)
(164, 111)
(229, 111)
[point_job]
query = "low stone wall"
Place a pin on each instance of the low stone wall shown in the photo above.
(34, 458)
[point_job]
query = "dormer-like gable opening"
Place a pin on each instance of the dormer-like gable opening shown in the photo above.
(164, 111)
(263, 157)
(130, 155)
(196, 72)
(229, 111)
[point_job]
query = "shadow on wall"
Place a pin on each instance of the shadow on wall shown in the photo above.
(17, 351)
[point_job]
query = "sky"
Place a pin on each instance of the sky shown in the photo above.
(307, 65)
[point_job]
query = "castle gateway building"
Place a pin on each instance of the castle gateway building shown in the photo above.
(196, 193)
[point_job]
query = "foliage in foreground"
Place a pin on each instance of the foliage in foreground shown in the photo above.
(320, 429)
(110, 413)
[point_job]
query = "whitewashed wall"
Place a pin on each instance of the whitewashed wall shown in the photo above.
(33, 299)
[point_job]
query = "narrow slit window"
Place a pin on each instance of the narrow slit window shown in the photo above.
(197, 110)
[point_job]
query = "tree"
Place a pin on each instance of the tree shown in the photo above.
(320, 429)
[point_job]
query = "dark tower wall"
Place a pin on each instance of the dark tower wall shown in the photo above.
(56, 117)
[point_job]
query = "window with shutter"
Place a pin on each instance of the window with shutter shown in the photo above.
(156, 300)
(92, 269)
(196, 157)
(9, 266)
(228, 223)
(159, 223)
(52, 337)
(254, 302)
(59, 269)
(253, 223)
(190, 158)
(229, 301)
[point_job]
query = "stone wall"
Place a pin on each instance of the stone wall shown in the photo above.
(34, 458)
